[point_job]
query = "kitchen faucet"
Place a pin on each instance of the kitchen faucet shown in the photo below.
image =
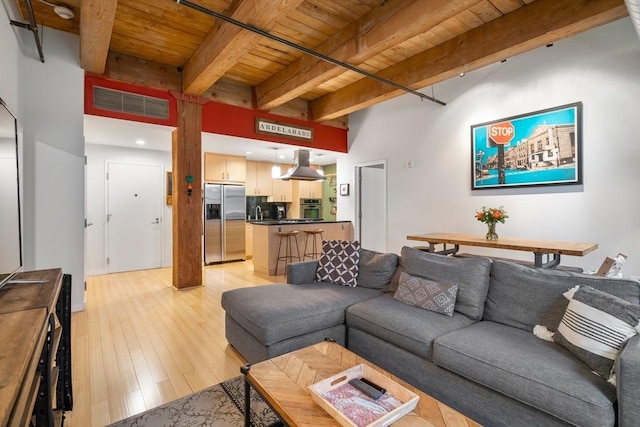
(259, 213)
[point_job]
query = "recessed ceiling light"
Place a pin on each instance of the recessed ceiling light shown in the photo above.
(248, 152)
(140, 142)
(461, 74)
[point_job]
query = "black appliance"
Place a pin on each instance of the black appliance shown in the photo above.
(278, 211)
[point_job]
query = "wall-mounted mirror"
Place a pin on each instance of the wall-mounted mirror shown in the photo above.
(10, 231)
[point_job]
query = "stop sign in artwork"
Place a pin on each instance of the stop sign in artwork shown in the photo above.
(501, 133)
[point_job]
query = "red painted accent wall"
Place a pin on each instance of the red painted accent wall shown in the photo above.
(91, 81)
(219, 118)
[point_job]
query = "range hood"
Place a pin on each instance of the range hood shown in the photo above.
(301, 171)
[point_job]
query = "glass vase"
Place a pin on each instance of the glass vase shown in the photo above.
(491, 232)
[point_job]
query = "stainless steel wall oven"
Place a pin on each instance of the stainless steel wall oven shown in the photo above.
(311, 208)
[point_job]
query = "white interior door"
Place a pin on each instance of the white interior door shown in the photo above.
(372, 206)
(134, 216)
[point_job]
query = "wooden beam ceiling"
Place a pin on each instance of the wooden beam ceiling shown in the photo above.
(414, 43)
(539, 23)
(96, 25)
(227, 43)
(384, 27)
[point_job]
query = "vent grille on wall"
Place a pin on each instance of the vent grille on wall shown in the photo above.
(130, 103)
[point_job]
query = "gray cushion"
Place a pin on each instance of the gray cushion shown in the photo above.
(302, 272)
(596, 326)
(470, 274)
(376, 269)
(407, 327)
(272, 313)
(439, 297)
(521, 296)
(539, 373)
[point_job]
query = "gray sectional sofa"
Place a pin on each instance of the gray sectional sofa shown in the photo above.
(483, 360)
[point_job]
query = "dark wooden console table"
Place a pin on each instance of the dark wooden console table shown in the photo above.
(538, 247)
(35, 349)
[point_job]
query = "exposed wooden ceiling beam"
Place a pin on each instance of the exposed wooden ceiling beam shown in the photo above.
(529, 27)
(226, 43)
(388, 24)
(96, 25)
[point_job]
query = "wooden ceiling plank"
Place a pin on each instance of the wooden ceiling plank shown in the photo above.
(170, 14)
(337, 22)
(532, 26)
(96, 24)
(348, 9)
(506, 6)
(223, 47)
(137, 71)
(123, 44)
(384, 26)
(161, 24)
(486, 11)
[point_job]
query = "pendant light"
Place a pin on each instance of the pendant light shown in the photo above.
(275, 169)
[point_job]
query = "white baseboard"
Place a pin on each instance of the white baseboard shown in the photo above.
(78, 307)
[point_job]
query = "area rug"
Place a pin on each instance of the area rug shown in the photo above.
(221, 405)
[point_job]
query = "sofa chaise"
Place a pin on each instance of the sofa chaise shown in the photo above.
(480, 357)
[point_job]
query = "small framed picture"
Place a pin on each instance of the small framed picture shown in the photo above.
(344, 189)
(169, 187)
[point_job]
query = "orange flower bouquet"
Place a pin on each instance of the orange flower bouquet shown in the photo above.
(491, 216)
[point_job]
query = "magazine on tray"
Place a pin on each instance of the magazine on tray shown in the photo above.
(361, 409)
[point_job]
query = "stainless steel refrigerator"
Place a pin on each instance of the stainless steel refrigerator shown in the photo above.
(224, 223)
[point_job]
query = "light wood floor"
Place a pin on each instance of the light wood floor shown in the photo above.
(141, 343)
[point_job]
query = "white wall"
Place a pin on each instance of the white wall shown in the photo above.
(9, 58)
(601, 68)
(48, 101)
(97, 158)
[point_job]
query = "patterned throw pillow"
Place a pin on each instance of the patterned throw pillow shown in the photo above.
(596, 326)
(433, 296)
(339, 262)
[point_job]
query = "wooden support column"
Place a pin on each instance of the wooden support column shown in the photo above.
(187, 210)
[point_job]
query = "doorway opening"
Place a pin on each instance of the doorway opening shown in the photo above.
(371, 205)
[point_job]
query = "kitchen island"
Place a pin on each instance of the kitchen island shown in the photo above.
(266, 239)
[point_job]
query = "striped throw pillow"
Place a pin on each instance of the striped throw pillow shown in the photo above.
(596, 326)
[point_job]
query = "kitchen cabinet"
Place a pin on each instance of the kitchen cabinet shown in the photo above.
(222, 168)
(310, 189)
(282, 191)
(258, 179)
(248, 241)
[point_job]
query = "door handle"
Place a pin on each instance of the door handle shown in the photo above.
(157, 221)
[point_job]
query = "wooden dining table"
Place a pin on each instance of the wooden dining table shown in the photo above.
(552, 249)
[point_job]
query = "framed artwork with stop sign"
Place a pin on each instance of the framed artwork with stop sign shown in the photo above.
(538, 148)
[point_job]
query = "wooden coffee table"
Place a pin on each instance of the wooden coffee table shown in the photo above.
(283, 381)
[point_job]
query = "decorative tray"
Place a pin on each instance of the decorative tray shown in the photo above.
(353, 408)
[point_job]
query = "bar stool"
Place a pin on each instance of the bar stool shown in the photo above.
(288, 247)
(312, 233)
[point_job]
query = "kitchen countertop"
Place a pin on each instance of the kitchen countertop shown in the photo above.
(292, 221)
